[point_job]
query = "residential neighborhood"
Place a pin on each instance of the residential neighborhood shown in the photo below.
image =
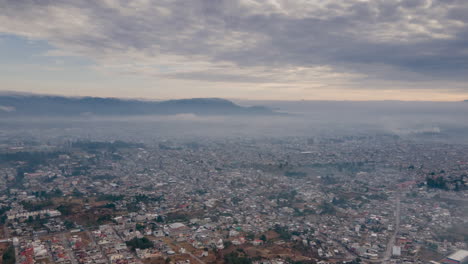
(327, 200)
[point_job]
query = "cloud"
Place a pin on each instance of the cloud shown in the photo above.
(7, 108)
(308, 43)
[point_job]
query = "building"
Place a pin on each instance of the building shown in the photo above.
(396, 251)
(459, 257)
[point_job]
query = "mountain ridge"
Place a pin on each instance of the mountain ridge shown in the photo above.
(52, 105)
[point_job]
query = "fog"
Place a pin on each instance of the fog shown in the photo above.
(443, 122)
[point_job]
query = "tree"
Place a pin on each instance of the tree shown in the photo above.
(110, 206)
(140, 227)
(3, 219)
(263, 238)
(159, 219)
(64, 210)
(234, 258)
(76, 193)
(105, 218)
(9, 256)
(141, 243)
(69, 224)
(226, 244)
(282, 232)
(327, 208)
(438, 183)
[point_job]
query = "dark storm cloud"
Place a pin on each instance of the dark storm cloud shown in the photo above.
(428, 38)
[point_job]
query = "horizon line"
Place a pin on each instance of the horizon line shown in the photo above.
(9, 92)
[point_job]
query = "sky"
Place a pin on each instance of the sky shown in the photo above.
(238, 49)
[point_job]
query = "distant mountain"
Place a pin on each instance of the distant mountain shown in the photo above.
(39, 105)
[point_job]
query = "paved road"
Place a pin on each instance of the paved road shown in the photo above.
(69, 251)
(391, 242)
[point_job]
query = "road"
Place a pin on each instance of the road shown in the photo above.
(195, 257)
(96, 245)
(350, 255)
(69, 251)
(391, 242)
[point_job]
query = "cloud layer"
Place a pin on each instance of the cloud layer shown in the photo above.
(301, 43)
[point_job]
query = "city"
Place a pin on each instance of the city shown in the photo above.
(234, 131)
(369, 199)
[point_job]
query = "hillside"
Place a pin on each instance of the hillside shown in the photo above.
(37, 105)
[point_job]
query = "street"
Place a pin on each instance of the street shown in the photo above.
(391, 242)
